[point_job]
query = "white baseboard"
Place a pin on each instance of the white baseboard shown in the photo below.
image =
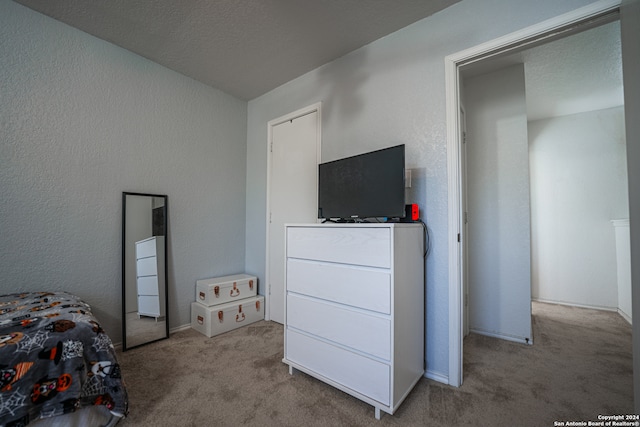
(521, 340)
(437, 376)
(625, 316)
(572, 304)
(118, 345)
(179, 328)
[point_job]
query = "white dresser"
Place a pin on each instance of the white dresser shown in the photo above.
(354, 310)
(150, 278)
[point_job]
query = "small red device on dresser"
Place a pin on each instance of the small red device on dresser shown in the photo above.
(411, 213)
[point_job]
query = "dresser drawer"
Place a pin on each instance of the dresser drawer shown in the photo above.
(149, 305)
(360, 331)
(365, 288)
(147, 267)
(148, 285)
(361, 374)
(146, 248)
(367, 246)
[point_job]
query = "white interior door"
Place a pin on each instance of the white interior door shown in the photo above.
(293, 192)
(499, 226)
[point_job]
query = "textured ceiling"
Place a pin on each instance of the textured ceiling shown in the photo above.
(575, 74)
(579, 73)
(243, 47)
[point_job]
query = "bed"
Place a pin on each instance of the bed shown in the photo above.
(57, 365)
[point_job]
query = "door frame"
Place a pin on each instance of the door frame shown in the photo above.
(557, 27)
(313, 108)
(464, 209)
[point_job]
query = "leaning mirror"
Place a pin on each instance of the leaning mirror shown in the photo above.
(144, 269)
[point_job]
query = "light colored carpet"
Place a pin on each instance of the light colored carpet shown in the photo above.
(579, 367)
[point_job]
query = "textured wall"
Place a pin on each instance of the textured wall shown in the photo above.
(82, 120)
(578, 185)
(388, 92)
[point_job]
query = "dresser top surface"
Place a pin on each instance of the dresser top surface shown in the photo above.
(357, 225)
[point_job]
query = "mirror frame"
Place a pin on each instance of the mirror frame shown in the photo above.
(126, 347)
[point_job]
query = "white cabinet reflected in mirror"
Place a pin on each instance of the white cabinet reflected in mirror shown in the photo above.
(144, 269)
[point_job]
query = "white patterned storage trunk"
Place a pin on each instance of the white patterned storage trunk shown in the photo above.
(219, 290)
(215, 320)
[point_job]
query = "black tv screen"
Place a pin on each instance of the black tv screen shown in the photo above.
(364, 186)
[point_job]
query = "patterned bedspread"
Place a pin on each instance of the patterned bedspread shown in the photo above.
(54, 359)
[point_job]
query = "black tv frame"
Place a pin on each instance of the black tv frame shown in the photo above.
(367, 185)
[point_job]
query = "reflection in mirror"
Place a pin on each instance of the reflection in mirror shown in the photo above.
(144, 270)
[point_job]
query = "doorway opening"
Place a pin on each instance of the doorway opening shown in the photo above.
(577, 21)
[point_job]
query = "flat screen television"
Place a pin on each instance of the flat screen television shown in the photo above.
(368, 185)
